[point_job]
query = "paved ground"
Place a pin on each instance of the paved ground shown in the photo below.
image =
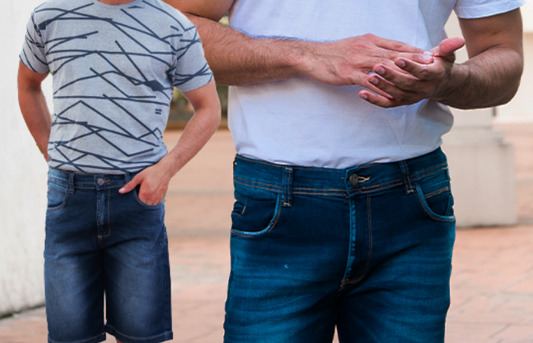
(492, 281)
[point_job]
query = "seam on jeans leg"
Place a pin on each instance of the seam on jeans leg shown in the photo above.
(108, 233)
(164, 334)
(86, 340)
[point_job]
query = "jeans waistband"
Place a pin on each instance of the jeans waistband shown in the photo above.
(363, 179)
(88, 181)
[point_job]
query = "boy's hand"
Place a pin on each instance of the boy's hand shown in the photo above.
(153, 182)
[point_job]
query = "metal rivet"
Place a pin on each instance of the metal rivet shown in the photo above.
(100, 182)
(354, 179)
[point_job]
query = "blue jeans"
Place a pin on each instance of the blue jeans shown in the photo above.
(100, 242)
(367, 250)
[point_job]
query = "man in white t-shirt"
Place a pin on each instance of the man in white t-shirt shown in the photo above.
(344, 215)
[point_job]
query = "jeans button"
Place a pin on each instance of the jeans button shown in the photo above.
(100, 182)
(354, 179)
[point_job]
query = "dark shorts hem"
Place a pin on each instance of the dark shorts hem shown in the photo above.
(165, 336)
(100, 338)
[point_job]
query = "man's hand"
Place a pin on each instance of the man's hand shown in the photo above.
(489, 78)
(348, 61)
(414, 81)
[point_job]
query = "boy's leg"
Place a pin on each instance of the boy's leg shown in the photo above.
(73, 263)
(137, 272)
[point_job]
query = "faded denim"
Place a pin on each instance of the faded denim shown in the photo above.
(366, 250)
(100, 243)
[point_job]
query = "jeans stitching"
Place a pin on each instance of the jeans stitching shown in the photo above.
(320, 189)
(63, 204)
(430, 171)
(370, 242)
(437, 192)
(269, 227)
(429, 212)
(86, 340)
(165, 334)
(377, 188)
(273, 188)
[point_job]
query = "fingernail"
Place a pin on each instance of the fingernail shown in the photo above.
(121, 190)
(374, 80)
(401, 63)
(380, 71)
(427, 56)
(363, 96)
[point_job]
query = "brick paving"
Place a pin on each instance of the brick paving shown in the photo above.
(492, 280)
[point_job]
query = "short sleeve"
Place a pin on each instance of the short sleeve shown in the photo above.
(33, 51)
(191, 70)
(471, 9)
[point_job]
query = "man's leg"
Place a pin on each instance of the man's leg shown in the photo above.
(400, 291)
(288, 255)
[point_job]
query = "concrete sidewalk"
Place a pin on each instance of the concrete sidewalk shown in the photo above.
(492, 281)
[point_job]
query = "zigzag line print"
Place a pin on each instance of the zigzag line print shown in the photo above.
(114, 73)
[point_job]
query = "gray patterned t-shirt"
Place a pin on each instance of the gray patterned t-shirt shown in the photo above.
(114, 68)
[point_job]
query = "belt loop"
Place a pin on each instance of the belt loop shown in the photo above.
(409, 189)
(71, 183)
(286, 197)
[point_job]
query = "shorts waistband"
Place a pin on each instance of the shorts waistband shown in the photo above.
(88, 181)
(363, 179)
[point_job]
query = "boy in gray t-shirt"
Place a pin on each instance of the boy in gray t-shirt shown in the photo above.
(114, 65)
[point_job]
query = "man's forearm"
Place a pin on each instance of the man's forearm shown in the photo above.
(488, 79)
(238, 59)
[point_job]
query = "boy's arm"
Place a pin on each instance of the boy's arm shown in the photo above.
(33, 106)
(154, 180)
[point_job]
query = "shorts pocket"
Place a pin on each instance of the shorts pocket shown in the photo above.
(434, 193)
(142, 203)
(57, 196)
(255, 213)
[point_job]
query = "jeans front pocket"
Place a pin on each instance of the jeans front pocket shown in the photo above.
(434, 193)
(142, 203)
(255, 212)
(57, 196)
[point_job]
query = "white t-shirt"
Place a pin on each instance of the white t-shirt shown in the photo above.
(302, 122)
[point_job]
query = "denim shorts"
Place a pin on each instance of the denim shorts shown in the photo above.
(104, 252)
(366, 250)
